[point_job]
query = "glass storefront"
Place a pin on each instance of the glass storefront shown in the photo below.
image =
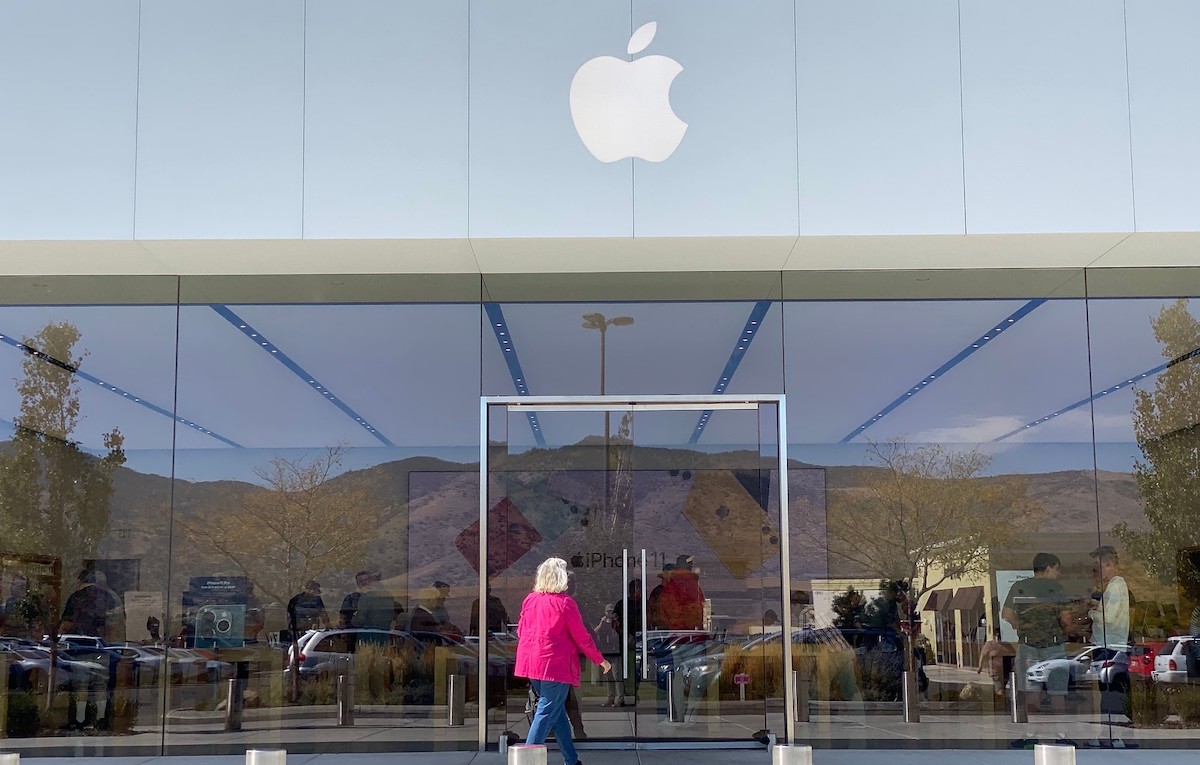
(230, 518)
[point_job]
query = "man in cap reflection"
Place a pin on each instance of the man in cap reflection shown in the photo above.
(306, 610)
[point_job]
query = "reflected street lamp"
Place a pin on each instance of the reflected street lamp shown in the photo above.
(599, 322)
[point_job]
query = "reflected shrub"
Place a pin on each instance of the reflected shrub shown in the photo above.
(23, 718)
(1146, 704)
(1186, 700)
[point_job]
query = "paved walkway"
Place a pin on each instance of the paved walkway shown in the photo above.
(689, 757)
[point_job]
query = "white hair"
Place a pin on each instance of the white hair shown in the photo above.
(551, 576)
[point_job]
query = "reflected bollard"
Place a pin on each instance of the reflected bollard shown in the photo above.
(788, 754)
(527, 754)
(266, 757)
(456, 700)
(345, 700)
(674, 698)
(908, 689)
(233, 706)
(800, 694)
(1016, 699)
(1053, 754)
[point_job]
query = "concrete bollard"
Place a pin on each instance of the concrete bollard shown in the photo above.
(1016, 700)
(266, 757)
(1053, 754)
(527, 754)
(456, 700)
(10, 758)
(788, 754)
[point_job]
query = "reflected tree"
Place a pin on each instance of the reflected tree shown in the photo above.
(54, 495)
(925, 515)
(305, 522)
(1166, 423)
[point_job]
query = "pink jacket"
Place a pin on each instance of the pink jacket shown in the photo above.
(551, 637)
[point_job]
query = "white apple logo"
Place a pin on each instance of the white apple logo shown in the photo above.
(623, 108)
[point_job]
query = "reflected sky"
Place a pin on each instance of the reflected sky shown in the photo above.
(411, 375)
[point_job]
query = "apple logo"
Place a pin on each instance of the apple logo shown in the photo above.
(623, 108)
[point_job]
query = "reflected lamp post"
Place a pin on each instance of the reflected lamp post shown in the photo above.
(598, 321)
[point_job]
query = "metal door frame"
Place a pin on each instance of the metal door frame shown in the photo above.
(623, 403)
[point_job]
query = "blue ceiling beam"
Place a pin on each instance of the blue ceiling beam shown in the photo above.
(1127, 382)
(116, 390)
(277, 353)
(508, 349)
(984, 339)
(740, 347)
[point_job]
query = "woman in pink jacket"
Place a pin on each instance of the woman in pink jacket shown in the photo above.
(551, 637)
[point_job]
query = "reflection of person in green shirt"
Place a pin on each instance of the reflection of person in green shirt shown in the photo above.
(1035, 608)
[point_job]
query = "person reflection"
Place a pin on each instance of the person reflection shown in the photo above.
(1110, 627)
(681, 605)
(1037, 608)
(634, 629)
(306, 610)
(495, 618)
(362, 581)
(608, 640)
(377, 608)
(429, 615)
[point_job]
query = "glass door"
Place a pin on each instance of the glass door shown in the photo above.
(668, 513)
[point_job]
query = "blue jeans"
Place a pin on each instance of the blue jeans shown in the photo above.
(551, 715)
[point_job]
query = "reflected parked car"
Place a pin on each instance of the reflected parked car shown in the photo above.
(1142, 656)
(1177, 661)
(332, 651)
(1107, 667)
(190, 666)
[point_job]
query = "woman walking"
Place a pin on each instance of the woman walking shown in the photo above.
(551, 635)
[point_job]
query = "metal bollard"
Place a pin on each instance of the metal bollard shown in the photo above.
(674, 703)
(912, 708)
(266, 757)
(527, 754)
(456, 700)
(788, 754)
(502, 743)
(233, 705)
(10, 758)
(1016, 700)
(1053, 754)
(800, 693)
(345, 700)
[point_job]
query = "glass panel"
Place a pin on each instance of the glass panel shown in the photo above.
(953, 470)
(701, 510)
(85, 496)
(1148, 457)
(325, 502)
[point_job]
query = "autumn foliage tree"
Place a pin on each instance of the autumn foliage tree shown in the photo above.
(299, 526)
(925, 515)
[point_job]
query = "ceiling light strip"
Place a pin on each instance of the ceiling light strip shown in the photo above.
(508, 349)
(277, 353)
(116, 390)
(984, 339)
(1101, 394)
(749, 332)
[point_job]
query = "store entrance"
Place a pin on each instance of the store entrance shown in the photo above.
(668, 510)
